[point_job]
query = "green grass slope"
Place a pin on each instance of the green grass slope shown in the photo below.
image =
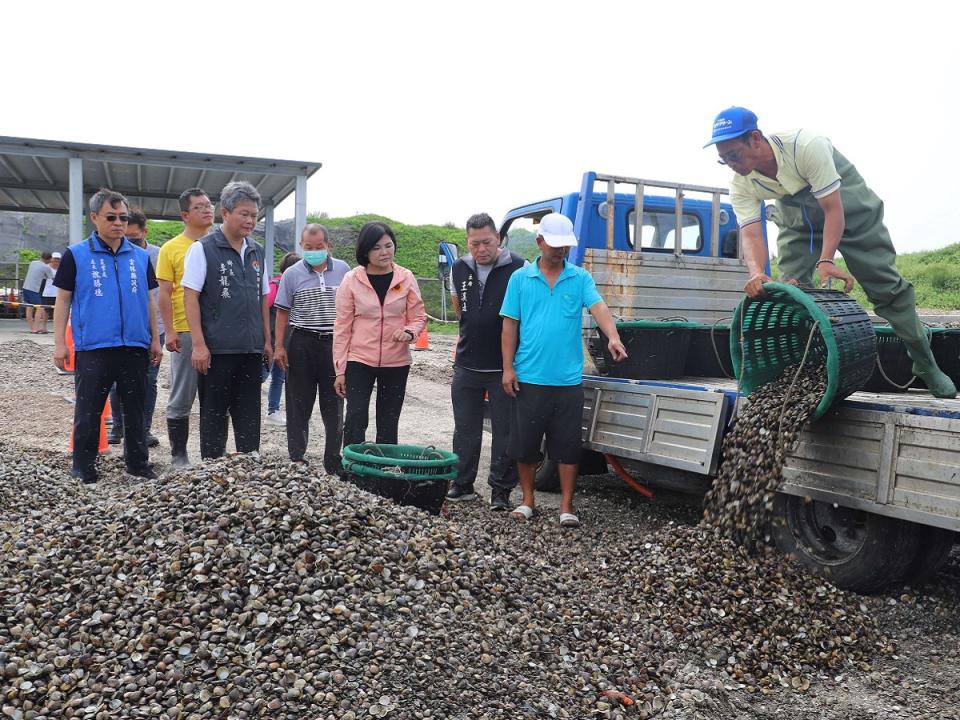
(935, 275)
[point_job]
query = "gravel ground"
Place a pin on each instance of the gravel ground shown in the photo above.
(909, 669)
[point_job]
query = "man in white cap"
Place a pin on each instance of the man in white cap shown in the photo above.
(49, 293)
(543, 360)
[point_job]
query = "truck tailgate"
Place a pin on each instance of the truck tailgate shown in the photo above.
(664, 424)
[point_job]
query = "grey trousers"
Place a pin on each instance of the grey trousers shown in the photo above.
(183, 381)
(466, 392)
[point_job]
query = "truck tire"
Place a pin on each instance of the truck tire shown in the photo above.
(854, 549)
(935, 546)
(548, 477)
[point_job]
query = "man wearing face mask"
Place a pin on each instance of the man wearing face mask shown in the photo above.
(306, 304)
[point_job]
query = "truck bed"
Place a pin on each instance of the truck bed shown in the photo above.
(895, 454)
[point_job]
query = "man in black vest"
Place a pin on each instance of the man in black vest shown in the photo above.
(225, 287)
(479, 283)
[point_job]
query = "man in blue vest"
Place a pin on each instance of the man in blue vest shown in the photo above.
(225, 287)
(479, 284)
(104, 284)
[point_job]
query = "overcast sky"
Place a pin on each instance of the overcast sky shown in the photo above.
(428, 112)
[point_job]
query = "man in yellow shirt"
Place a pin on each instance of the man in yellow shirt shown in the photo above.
(821, 205)
(196, 210)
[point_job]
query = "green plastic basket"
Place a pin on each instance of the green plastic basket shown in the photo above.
(897, 365)
(406, 474)
(402, 460)
(771, 333)
(656, 349)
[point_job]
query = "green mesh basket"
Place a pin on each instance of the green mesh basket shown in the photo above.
(656, 349)
(770, 333)
(406, 474)
(400, 460)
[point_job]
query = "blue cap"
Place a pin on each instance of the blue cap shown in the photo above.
(732, 123)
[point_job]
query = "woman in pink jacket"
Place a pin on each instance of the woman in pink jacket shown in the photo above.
(379, 313)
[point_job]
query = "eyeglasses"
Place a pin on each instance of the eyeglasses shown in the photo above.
(731, 157)
(113, 217)
(201, 208)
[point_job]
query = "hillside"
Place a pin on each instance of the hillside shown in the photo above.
(416, 244)
(935, 274)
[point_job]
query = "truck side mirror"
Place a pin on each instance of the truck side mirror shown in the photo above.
(447, 255)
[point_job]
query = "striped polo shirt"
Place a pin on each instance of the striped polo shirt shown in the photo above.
(310, 296)
(804, 161)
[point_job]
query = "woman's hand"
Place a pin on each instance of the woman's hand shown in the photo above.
(404, 336)
(340, 386)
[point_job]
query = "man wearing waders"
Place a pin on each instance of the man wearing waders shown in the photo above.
(821, 205)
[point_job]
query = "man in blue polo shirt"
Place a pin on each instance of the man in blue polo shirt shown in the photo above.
(543, 307)
(104, 283)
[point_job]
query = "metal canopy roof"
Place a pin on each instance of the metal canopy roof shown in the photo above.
(35, 175)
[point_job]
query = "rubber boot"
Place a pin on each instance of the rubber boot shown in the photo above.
(178, 431)
(925, 367)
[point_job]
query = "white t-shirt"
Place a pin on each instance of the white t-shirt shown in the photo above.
(195, 268)
(49, 289)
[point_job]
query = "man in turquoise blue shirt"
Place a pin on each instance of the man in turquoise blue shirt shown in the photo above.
(543, 360)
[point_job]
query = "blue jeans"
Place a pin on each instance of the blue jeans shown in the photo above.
(149, 401)
(275, 393)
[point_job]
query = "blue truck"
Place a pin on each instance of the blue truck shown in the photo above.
(870, 495)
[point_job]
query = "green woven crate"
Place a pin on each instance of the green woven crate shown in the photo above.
(898, 367)
(656, 349)
(771, 333)
(406, 474)
(405, 460)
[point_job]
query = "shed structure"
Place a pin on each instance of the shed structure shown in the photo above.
(52, 176)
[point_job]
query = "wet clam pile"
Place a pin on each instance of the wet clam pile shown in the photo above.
(250, 588)
(740, 501)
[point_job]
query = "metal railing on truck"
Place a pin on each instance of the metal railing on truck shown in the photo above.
(679, 189)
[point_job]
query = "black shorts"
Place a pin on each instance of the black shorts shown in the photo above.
(554, 411)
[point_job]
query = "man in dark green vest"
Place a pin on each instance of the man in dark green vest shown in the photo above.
(225, 281)
(821, 205)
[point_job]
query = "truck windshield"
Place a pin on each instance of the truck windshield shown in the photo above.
(659, 228)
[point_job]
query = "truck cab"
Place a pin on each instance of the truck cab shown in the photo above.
(686, 263)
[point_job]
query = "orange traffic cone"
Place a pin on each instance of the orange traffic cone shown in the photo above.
(103, 446)
(423, 341)
(69, 365)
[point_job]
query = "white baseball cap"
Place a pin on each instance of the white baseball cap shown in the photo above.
(56, 256)
(557, 230)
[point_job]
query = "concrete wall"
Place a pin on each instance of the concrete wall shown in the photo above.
(38, 231)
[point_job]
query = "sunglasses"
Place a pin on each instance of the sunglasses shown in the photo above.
(113, 217)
